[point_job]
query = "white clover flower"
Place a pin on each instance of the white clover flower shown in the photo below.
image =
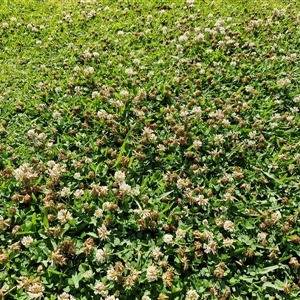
(136, 61)
(100, 288)
(116, 103)
(25, 173)
(88, 71)
(64, 216)
(124, 188)
(191, 295)
(88, 274)
(5, 25)
(124, 94)
(51, 163)
(27, 241)
(65, 296)
(249, 89)
(111, 298)
(219, 138)
(180, 183)
(152, 273)
(42, 136)
(112, 274)
(119, 176)
(197, 144)
(135, 191)
(79, 193)
(98, 213)
(102, 114)
(56, 115)
(201, 200)
(264, 278)
(168, 238)
(229, 226)
(55, 170)
(92, 14)
(87, 55)
(276, 216)
(87, 160)
(76, 69)
(102, 255)
(211, 247)
(103, 232)
(95, 94)
(180, 234)
(96, 54)
(35, 291)
(106, 205)
(151, 73)
(77, 176)
(183, 39)
(283, 82)
(252, 134)
(129, 72)
(161, 148)
(156, 253)
(297, 99)
(5, 288)
(294, 110)
(32, 134)
(262, 236)
(228, 242)
(189, 2)
(65, 192)
(149, 134)
(205, 222)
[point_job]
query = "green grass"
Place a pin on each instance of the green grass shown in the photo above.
(149, 150)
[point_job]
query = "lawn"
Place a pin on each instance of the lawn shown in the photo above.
(149, 150)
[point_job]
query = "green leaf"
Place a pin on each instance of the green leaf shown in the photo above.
(92, 234)
(267, 269)
(272, 285)
(33, 219)
(53, 271)
(45, 219)
(76, 278)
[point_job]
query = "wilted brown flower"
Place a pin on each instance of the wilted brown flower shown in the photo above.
(162, 297)
(219, 272)
(295, 239)
(15, 247)
(67, 248)
(167, 277)
(57, 258)
(185, 262)
(4, 224)
(15, 230)
(88, 246)
(286, 288)
(294, 263)
(130, 280)
(4, 257)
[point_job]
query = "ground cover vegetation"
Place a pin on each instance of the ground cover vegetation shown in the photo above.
(149, 150)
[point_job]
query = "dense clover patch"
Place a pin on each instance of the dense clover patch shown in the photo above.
(149, 151)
